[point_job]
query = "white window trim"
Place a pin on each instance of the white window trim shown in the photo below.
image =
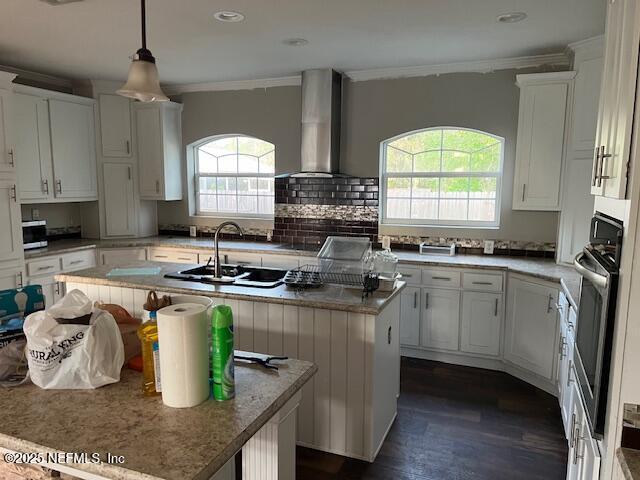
(196, 211)
(405, 222)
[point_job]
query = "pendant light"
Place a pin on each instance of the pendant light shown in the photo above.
(143, 83)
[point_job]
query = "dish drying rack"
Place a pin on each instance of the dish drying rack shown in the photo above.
(313, 276)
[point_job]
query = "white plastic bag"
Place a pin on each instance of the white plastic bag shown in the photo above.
(72, 346)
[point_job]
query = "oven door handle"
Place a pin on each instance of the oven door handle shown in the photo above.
(598, 280)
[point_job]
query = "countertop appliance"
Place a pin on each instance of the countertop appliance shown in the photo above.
(598, 264)
(34, 234)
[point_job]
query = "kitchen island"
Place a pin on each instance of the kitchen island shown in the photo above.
(351, 403)
(139, 438)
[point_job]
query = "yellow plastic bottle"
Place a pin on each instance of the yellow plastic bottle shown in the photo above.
(148, 335)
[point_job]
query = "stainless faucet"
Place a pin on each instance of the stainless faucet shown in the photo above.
(217, 265)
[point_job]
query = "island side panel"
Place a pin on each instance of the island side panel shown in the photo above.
(347, 407)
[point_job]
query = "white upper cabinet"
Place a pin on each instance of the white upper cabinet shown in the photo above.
(119, 199)
(617, 100)
(73, 149)
(31, 146)
(11, 250)
(541, 139)
(159, 140)
(7, 163)
(115, 125)
(531, 329)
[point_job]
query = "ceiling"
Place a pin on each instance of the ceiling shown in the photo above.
(94, 38)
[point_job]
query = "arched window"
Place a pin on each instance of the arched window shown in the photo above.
(442, 176)
(235, 176)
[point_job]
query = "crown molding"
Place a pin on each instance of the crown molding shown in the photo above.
(479, 66)
(596, 42)
(39, 78)
(294, 80)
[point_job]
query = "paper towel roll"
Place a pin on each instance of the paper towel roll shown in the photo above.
(184, 354)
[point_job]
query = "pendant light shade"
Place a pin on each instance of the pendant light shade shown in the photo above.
(143, 83)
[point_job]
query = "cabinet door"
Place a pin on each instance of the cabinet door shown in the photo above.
(480, 323)
(31, 146)
(577, 416)
(118, 199)
(440, 318)
(410, 316)
(73, 149)
(617, 100)
(10, 219)
(587, 453)
(7, 164)
(540, 146)
(115, 126)
(567, 396)
(150, 153)
(531, 327)
(11, 278)
(52, 290)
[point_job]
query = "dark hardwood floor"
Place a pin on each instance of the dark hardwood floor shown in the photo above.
(458, 423)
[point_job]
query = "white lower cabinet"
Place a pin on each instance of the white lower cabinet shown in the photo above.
(531, 326)
(584, 454)
(241, 258)
(440, 319)
(52, 290)
(410, 300)
(481, 323)
(12, 277)
(121, 256)
(285, 262)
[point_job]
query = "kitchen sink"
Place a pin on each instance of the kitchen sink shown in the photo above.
(241, 275)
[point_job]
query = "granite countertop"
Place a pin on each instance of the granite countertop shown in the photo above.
(330, 297)
(629, 460)
(156, 441)
(544, 269)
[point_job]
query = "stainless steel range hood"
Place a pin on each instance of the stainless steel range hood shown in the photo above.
(321, 121)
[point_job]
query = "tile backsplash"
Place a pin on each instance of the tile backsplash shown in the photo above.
(308, 209)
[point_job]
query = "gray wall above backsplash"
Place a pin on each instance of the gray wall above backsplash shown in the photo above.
(373, 111)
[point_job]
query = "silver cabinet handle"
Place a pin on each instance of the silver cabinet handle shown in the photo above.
(75, 262)
(576, 449)
(524, 189)
(426, 300)
(549, 303)
(13, 193)
(184, 258)
(573, 425)
(57, 288)
(161, 256)
(569, 379)
(48, 267)
(389, 336)
(446, 279)
(415, 300)
(128, 145)
(19, 280)
(157, 186)
(408, 275)
(129, 171)
(482, 283)
(495, 310)
(11, 156)
(59, 186)
(596, 161)
(602, 170)
(45, 186)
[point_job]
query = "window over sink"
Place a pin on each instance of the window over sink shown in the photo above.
(234, 176)
(443, 176)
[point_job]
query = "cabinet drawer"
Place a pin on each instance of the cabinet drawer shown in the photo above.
(79, 260)
(169, 255)
(43, 266)
(241, 258)
(486, 282)
(410, 275)
(441, 278)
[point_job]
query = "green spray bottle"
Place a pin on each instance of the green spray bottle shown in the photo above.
(222, 353)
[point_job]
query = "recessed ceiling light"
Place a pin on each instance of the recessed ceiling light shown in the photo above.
(296, 42)
(511, 17)
(228, 16)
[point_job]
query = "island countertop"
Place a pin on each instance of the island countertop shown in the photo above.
(156, 441)
(331, 297)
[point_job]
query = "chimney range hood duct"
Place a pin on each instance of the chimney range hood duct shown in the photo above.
(321, 120)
